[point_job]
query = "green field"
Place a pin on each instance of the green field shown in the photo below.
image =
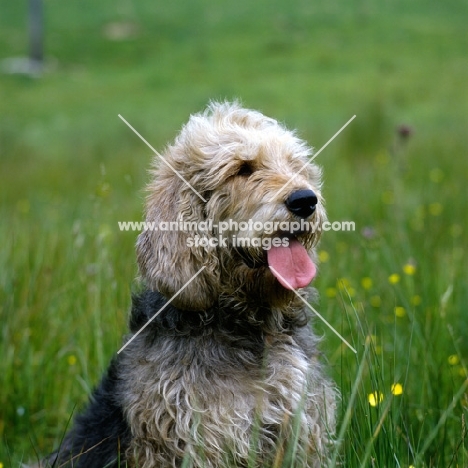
(396, 288)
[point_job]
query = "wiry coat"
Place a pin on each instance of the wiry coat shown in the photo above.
(227, 374)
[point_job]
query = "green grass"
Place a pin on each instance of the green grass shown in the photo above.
(70, 170)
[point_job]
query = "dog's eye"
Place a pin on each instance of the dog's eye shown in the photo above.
(245, 170)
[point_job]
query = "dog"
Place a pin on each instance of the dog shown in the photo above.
(221, 367)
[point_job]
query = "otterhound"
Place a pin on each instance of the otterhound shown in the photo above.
(227, 372)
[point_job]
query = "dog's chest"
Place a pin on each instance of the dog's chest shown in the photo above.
(201, 395)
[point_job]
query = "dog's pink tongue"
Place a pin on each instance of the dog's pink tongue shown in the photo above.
(291, 265)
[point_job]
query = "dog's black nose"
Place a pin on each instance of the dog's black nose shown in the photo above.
(302, 203)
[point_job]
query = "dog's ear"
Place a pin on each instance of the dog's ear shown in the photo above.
(169, 257)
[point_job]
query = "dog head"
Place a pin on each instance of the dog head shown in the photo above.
(235, 204)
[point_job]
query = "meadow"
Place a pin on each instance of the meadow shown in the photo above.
(395, 288)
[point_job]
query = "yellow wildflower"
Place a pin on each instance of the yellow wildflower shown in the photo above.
(397, 389)
(394, 278)
(453, 360)
(409, 269)
(366, 283)
(330, 292)
(71, 360)
(375, 398)
(324, 256)
(400, 311)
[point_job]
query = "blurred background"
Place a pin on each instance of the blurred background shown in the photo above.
(70, 169)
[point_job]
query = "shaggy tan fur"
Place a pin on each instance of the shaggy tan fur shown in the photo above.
(239, 161)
